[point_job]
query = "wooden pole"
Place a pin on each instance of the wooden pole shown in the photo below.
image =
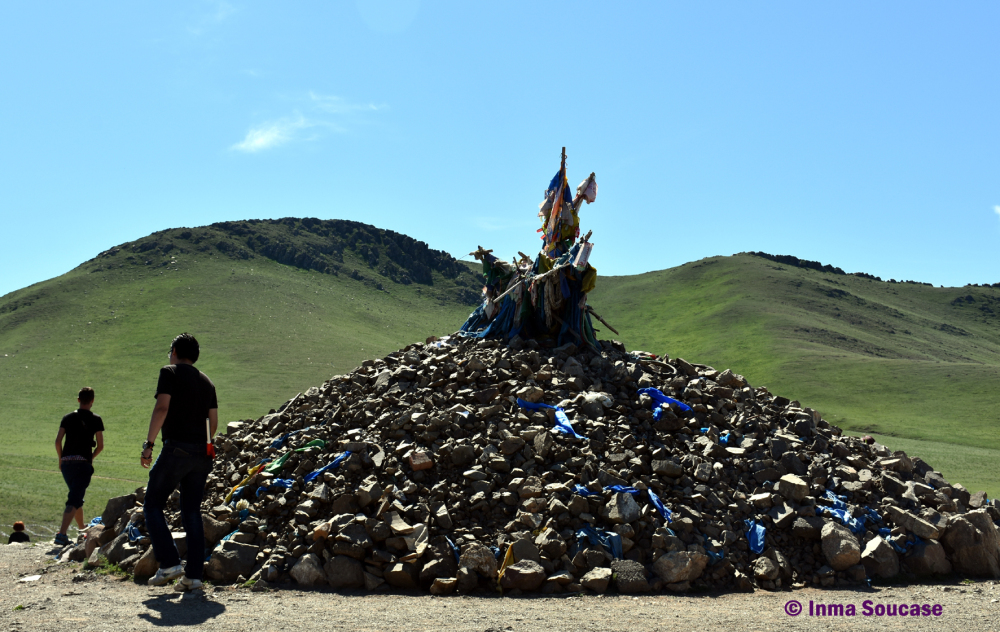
(591, 311)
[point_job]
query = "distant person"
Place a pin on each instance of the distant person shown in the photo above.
(19, 535)
(187, 411)
(83, 431)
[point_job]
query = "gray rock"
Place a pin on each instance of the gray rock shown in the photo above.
(972, 545)
(551, 543)
(927, 558)
(525, 549)
(879, 559)
(443, 586)
(118, 549)
(463, 455)
(597, 580)
(116, 507)
(401, 575)
(629, 576)
(668, 468)
(308, 571)
(230, 560)
(808, 527)
(479, 558)
(147, 565)
(344, 572)
(622, 509)
(680, 566)
(466, 580)
(215, 530)
(840, 547)
(703, 472)
(524, 575)
(765, 569)
(792, 487)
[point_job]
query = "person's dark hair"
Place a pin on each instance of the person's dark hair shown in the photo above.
(86, 395)
(18, 526)
(186, 347)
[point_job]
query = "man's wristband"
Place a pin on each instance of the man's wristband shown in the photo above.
(147, 445)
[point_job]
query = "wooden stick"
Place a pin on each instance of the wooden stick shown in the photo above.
(591, 311)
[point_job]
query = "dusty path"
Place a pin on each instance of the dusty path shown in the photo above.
(63, 598)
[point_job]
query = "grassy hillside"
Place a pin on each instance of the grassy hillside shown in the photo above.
(903, 360)
(271, 321)
(282, 305)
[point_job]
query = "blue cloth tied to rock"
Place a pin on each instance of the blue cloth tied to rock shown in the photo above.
(755, 535)
(666, 513)
(278, 482)
(133, 532)
(856, 526)
(562, 421)
(621, 489)
(611, 541)
(331, 466)
(657, 396)
(454, 549)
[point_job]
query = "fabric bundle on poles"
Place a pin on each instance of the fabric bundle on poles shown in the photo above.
(544, 299)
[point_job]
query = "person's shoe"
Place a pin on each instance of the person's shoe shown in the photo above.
(186, 583)
(62, 539)
(164, 575)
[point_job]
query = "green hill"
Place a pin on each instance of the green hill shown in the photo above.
(277, 305)
(914, 365)
(280, 306)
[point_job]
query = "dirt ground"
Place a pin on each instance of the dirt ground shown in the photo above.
(65, 598)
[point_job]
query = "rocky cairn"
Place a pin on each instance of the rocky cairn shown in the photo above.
(446, 483)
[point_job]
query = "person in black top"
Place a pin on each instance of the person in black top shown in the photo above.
(187, 412)
(79, 428)
(19, 535)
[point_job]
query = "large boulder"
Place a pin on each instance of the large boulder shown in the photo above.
(344, 572)
(680, 566)
(215, 530)
(927, 558)
(840, 547)
(524, 575)
(792, 487)
(401, 575)
(880, 559)
(479, 558)
(597, 579)
(629, 576)
(972, 546)
(308, 571)
(115, 508)
(230, 560)
(147, 565)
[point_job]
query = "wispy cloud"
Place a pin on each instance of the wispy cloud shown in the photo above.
(324, 114)
(996, 209)
(271, 134)
(337, 105)
(218, 11)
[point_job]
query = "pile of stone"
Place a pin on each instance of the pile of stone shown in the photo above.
(447, 482)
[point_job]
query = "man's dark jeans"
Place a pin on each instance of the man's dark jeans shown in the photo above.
(186, 465)
(77, 476)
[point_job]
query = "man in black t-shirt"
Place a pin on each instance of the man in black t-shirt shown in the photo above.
(79, 428)
(187, 412)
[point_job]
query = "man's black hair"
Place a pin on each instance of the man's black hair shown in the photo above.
(86, 395)
(186, 347)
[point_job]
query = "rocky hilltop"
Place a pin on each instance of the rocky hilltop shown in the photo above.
(436, 467)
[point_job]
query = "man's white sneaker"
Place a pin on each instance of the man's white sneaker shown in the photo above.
(186, 583)
(164, 575)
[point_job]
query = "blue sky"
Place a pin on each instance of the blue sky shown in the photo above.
(864, 135)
